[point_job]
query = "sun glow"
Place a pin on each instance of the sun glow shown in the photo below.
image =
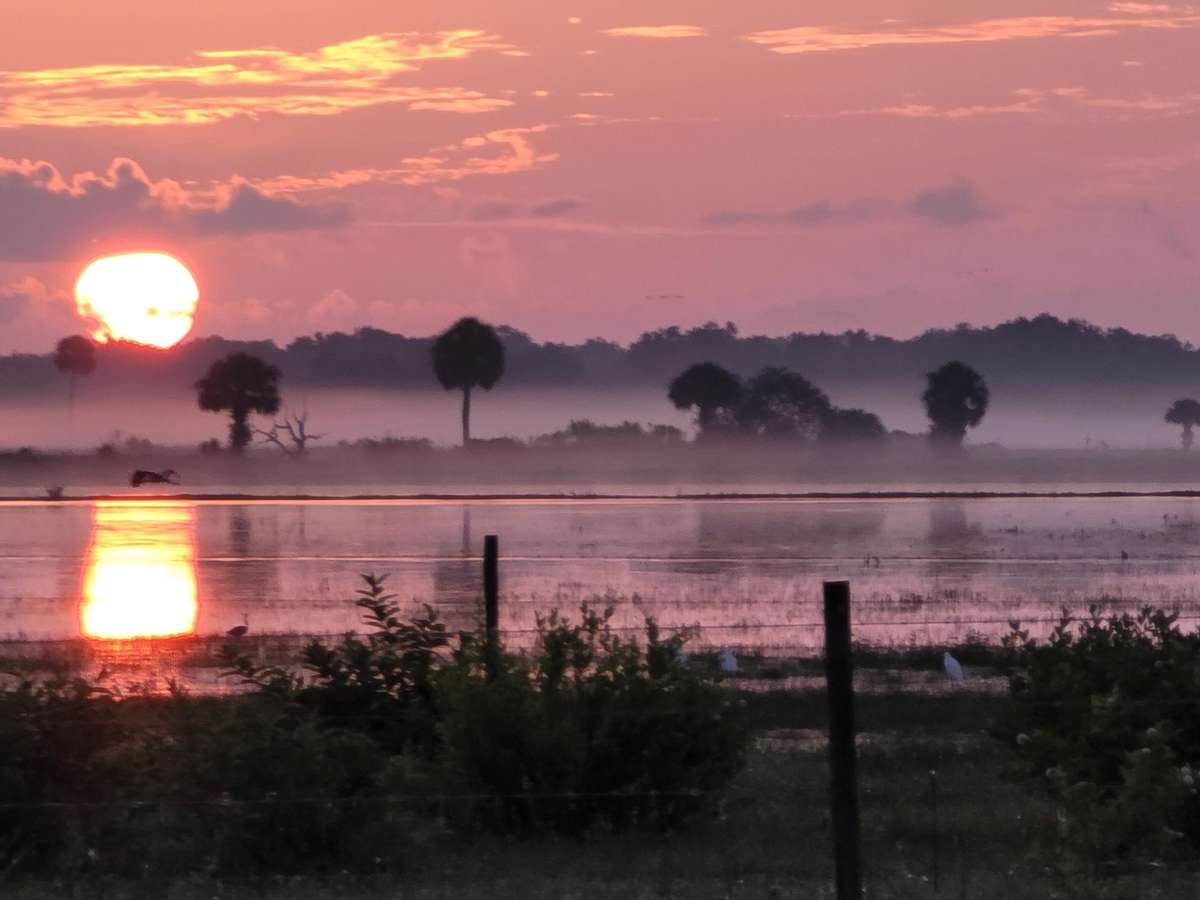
(141, 571)
(149, 298)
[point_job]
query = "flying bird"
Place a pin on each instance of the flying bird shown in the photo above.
(954, 669)
(145, 476)
(238, 631)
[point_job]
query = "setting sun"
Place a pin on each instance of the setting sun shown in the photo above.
(149, 298)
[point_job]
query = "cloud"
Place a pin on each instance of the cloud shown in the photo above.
(669, 32)
(1139, 9)
(335, 311)
(552, 209)
(218, 85)
(1166, 232)
(812, 214)
(502, 152)
(954, 204)
(827, 38)
(48, 215)
(820, 212)
(501, 210)
(1037, 100)
(38, 313)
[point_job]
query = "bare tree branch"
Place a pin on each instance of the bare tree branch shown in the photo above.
(295, 429)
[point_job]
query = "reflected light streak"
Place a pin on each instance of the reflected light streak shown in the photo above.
(140, 579)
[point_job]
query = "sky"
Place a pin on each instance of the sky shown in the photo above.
(580, 169)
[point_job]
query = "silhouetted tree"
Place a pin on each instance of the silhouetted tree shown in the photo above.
(240, 384)
(780, 403)
(707, 387)
(75, 355)
(851, 425)
(466, 356)
(956, 399)
(1184, 412)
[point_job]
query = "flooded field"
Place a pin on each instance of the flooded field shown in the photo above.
(743, 574)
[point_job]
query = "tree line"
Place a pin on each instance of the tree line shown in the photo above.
(775, 403)
(1022, 358)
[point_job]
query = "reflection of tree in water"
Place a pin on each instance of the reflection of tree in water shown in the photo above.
(456, 581)
(253, 578)
(748, 530)
(950, 532)
(239, 532)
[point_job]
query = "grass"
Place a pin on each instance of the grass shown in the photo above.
(941, 818)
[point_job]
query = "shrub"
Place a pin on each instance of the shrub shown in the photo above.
(382, 683)
(391, 444)
(150, 786)
(357, 759)
(1105, 716)
(588, 728)
(54, 736)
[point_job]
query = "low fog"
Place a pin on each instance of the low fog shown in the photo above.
(1070, 420)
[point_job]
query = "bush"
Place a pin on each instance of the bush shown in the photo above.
(1105, 717)
(588, 729)
(149, 786)
(390, 445)
(357, 759)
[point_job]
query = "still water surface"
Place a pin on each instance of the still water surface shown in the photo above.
(746, 573)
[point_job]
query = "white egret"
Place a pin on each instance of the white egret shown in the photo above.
(727, 661)
(954, 669)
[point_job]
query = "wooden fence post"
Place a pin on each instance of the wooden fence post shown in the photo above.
(843, 765)
(491, 599)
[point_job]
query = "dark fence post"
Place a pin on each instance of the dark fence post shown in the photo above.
(491, 599)
(843, 764)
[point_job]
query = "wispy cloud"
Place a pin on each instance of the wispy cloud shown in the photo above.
(505, 210)
(819, 212)
(657, 31)
(954, 204)
(48, 215)
(217, 85)
(828, 38)
(1166, 232)
(1036, 100)
(502, 152)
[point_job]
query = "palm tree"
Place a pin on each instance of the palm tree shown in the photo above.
(709, 388)
(240, 384)
(1185, 412)
(955, 399)
(75, 355)
(466, 356)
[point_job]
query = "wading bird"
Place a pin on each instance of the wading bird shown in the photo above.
(238, 631)
(144, 476)
(954, 669)
(727, 661)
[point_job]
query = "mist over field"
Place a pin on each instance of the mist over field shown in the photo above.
(1067, 420)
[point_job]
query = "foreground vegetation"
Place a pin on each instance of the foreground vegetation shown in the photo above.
(470, 777)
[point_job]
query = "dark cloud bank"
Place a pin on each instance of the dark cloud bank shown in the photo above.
(45, 215)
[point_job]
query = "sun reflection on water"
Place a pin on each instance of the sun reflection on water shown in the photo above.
(140, 579)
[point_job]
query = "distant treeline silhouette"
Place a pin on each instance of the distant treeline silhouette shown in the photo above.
(1023, 357)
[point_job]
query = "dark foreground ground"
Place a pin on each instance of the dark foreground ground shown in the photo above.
(943, 816)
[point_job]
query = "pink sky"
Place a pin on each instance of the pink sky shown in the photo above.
(582, 169)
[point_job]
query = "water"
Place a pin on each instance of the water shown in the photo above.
(743, 574)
